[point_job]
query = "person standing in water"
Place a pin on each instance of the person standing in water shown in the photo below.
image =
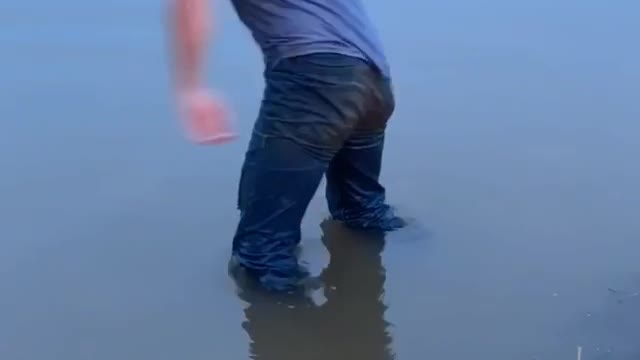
(326, 103)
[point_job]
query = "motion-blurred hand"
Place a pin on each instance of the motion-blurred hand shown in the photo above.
(205, 117)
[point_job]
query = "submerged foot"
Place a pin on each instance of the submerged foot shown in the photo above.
(282, 280)
(383, 219)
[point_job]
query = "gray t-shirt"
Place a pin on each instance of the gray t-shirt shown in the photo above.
(286, 28)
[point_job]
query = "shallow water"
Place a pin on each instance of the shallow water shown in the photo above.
(513, 147)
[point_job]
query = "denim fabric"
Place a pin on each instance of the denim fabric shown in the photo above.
(320, 114)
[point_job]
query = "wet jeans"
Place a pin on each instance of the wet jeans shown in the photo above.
(321, 115)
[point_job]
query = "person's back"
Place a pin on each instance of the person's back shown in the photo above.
(324, 111)
(288, 28)
(325, 108)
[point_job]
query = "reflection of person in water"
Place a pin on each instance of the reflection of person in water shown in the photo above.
(350, 325)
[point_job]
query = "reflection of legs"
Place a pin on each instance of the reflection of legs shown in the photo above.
(354, 287)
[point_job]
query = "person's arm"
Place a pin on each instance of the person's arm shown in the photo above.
(204, 115)
(190, 22)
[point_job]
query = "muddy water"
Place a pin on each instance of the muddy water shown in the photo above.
(513, 147)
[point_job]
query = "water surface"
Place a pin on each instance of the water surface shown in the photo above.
(513, 146)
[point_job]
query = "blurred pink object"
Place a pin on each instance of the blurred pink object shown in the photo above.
(206, 118)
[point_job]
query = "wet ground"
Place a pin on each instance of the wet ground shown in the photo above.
(513, 146)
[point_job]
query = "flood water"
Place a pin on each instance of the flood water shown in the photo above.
(514, 149)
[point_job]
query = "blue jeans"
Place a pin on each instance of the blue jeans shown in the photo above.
(321, 114)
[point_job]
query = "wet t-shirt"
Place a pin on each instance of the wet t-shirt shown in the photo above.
(287, 28)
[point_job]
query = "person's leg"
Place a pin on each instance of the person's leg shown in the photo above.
(310, 107)
(354, 193)
(277, 183)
